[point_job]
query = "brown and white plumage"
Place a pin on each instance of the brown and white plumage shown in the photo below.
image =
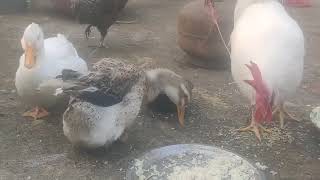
(109, 76)
(107, 100)
(104, 102)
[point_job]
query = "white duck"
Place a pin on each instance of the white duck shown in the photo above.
(43, 60)
(267, 54)
(106, 101)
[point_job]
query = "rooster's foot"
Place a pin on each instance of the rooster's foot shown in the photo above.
(36, 113)
(282, 111)
(255, 127)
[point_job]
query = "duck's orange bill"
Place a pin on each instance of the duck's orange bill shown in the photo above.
(181, 110)
(30, 59)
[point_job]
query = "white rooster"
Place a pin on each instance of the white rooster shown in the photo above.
(267, 54)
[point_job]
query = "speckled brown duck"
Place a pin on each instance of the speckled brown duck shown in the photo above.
(106, 101)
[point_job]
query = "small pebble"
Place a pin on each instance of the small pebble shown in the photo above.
(29, 177)
(261, 166)
(273, 173)
(315, 116)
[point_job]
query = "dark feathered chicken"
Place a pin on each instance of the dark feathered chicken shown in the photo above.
(99, 13)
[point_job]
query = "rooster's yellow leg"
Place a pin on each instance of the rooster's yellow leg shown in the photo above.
(36, 113)
(282, 111)
(255, 128)
(286, 112)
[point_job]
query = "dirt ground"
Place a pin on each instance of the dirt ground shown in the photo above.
(39, 150)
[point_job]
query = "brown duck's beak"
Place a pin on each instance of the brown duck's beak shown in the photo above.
(29, 56)
(181, 110)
